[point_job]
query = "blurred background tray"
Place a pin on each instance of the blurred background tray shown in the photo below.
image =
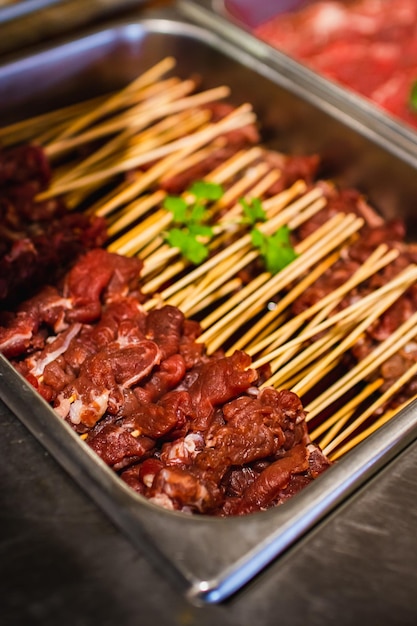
(237, 20)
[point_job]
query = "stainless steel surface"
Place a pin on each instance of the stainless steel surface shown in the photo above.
(30, 22)
(208, 558)
(63, 562)
(351, 106)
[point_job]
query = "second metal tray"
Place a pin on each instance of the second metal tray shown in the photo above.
(236, 21)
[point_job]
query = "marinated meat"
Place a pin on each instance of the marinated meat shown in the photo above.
(38, 240)
(189, 431)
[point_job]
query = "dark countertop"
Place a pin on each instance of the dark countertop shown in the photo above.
(62, 561)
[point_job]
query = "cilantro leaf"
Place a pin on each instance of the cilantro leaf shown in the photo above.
(190, 218)
(276, 250)
(253, 210)
(412, 101)
(204, 190)
(178, 208)
(192, 249)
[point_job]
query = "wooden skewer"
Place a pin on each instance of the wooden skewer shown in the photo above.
(248, 289)
(194, 159)
(334, 423)
(28, 128)
(168, 129)
(342, 227)
(134, 211)
(221, 273)
(399, 383)
(131, 242)
(152, 286)
(244, 189)
(140, 159)
(134, 240)
(352, 443)
(288, 349)
(243, 241)
(170, 154)
(150, 249)
(111, 104)
(312, 353)
(271, 315)
(221, 278)
(309, 382)
(138, 117)
(228, 288)
(371, 362)
(326, 304)
(297, 376)
(236, 163)
(218, 175)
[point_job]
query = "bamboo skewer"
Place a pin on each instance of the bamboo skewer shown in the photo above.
(173, 153)
(225, 290)
(28, 129)
(266, 180)
(114, 101)
(224, 270)
(309, 381)
(386, 417)
(138, 117)
(371, 362)
(341, 228)
(258, 329)
(342, 417)
(242, 242)
(399, 383)
(311, 354)
(219, 175)
(133, 212)
(326, 304)
(167, 130)
(180, 147)
(345, 412)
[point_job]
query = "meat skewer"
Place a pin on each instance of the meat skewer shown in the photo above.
(109, 367)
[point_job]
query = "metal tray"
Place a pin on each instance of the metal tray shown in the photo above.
(235, 20)
(29, 22)
(209, 558)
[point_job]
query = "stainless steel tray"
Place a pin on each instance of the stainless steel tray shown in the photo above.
(29, 22)
(236, 27)
(209, 558)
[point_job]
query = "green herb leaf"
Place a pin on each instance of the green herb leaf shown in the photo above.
(190, 220)
(276, 250)
(192, 249)
(196, 214)
(253, 211)
(412, 101)
(178, 208)
(258, 239)
(204, 190)
(200, 229)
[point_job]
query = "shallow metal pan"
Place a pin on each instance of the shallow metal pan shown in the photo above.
(237, 27)
(209, 558)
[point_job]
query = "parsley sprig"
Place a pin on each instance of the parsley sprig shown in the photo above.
(189, 218)
(276, 250)
(191, 234)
